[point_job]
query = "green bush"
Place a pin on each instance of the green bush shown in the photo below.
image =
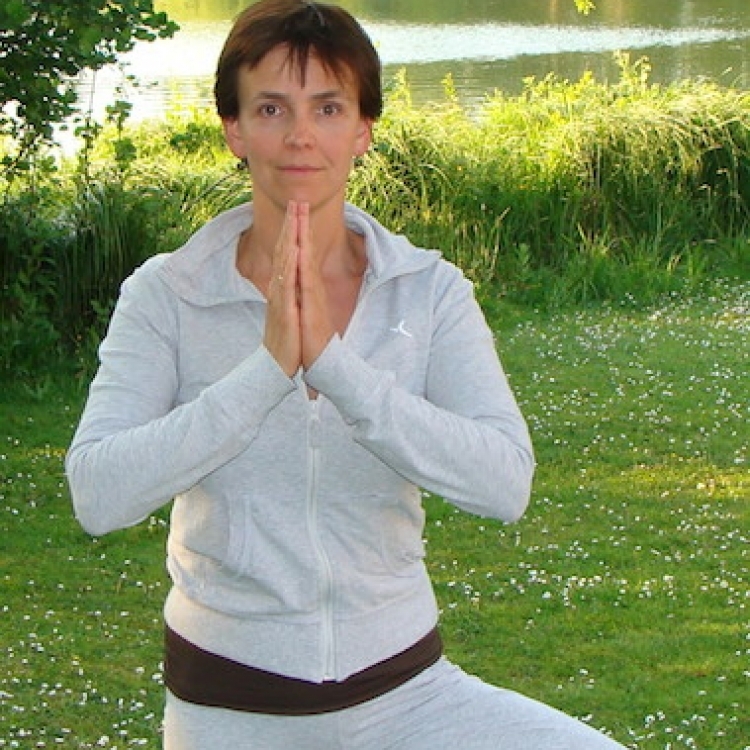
(29, 338)
(569, 193)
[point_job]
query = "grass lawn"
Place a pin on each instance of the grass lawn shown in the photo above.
(622, 597)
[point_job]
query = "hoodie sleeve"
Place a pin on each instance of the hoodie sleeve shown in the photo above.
(466, 439)
(134, 449)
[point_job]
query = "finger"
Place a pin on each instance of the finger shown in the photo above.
(282, 332)
(303, 226)
(308, 269)
(284, 266)
(315, 316)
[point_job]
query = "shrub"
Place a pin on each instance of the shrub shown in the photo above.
(569, 193)
(29, 339)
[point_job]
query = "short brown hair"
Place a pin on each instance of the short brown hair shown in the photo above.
(327, 31)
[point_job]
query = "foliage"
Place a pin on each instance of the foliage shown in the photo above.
(570, 193)
(621, 597)
(585, 6)
(67, 244)
(29, 339)
(45, 44)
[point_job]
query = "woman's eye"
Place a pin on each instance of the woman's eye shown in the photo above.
(270, 110)
(330, 109)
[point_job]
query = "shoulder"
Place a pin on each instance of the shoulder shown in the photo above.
(146, 278)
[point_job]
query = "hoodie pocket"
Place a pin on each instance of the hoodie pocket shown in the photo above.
(378, 535)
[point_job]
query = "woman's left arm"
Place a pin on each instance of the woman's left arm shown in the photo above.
(466, 440)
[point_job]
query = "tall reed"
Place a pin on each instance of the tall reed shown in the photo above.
(566, 193)
(568, 178)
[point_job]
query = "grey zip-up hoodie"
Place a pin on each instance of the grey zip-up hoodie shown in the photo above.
(295, 542)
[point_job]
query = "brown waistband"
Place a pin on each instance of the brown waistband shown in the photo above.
(198, 676)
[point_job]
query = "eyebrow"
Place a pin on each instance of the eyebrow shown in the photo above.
(277, 96)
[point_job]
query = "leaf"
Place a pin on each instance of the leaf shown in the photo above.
(13, 13)
(69, 37)
(585, 6)
(89, 39)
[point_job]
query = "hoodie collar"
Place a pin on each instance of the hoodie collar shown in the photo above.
(203, 271)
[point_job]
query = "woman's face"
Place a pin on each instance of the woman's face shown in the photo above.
(299, 140)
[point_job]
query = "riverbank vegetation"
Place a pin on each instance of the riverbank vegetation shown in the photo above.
(570, 193)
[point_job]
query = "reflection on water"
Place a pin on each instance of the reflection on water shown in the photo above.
(421, 44)
(490, 45)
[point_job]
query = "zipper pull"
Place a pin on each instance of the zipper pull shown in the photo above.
(314, 427)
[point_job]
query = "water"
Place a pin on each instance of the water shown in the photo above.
(484, 44)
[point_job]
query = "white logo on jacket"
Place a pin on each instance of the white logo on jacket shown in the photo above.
(401, 328)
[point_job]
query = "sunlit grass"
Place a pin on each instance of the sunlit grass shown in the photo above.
(621, 597)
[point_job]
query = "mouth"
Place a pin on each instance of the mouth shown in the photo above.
(300, 169)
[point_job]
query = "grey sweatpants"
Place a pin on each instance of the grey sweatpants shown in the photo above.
(441, 709)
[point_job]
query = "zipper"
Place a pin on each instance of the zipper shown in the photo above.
(313, 504)
(324, 563)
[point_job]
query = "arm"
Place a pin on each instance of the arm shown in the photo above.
(134, 449)
(466, 440)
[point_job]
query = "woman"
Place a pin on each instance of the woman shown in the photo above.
(293, 376)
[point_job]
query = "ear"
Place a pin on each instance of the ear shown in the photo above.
(233, 137)
(364, 137)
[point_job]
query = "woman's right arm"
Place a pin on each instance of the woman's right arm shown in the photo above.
(134, 449)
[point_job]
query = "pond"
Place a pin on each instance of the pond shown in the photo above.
(484, 44)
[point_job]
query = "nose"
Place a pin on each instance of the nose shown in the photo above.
(300, 134)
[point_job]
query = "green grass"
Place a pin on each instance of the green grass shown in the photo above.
(621, 597)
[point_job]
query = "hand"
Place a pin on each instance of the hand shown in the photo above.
(298, 324)
(315, 321)
(282, 335)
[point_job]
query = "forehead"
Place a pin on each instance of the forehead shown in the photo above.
(280, 69)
